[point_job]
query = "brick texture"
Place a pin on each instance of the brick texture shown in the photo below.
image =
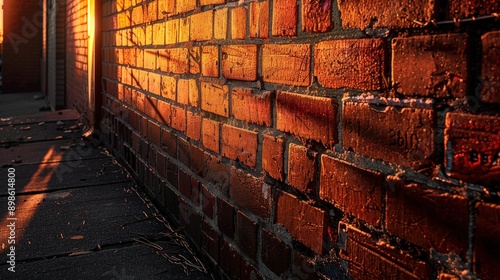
(403, 136)
(434, 65)
(316, 16)
(287, 64)
(214, 99)
(423, 216)
(467, 157)
(301, 166)
(490, 72)
(275, 254)
(251, 193)
(305, 223)
(459, 9)
(239, 62)
(312, 118)
(239, 144)
(350, 63)
(357, 191)
(486, 242)
(272, 156)
(284, 18)
(252, 106)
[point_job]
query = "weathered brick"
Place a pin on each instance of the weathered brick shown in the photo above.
(250, 106)
(247, 235)
(184, 29)
(239, 62)
(287, 64)
(231, 263)
(486, 243)
(275, 254)
(154, 83)
(195, 60)
(220, 24)
(317, 15)
(239, 144)
(459, 9)
(207, 202)
(201, 26)
(225, 217)
(174, 60)
(379, 13)
(169, 142)
(211, 134)
(159, 33)
(210, 61)
(312, 118)
(154, 133)
(259, 19)
(472, 147)
(211, 2)
(272, 156)
(304, 222)
(210, 241)
(369, 259)
(301, 166)
(171, 31)
(216, 173)
(164, 112)
(249, 272)
(239, 22)
(168, 87)
(250, 193)
(190, 219)
(303, 267)
(184, 5)
(428, 218)
(356, 63)
(193, 128)
(183, 91)
(214, 99)
(403, 136)
(490, 72)
(190, 187)
(430, 65)
(284, 18)
(178, 118)
(355, 190)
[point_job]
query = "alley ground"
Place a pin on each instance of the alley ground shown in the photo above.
(78, 214)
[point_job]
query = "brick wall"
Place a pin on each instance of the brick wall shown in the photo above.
(308, 139)
(22, 46)
(76, 55)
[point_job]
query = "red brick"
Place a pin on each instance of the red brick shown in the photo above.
(370, 259)
(284, 18)
(272, 156)
(275, 254)
(211, 2)
(193, 128)
(356, 63)
(174, 61)
(490, 72)
(214, 99)
(305, 223)
(303, 267)
(230, 260)
(428, 218)
(486, 243)
(259, 19)
(159, 33)
(169, 142)
(460, 9)
(287, 64)
(195, 60)
(191, 220)
(239, 62)
(184, 29)
(431, 65)
(308, 117)
(446, 276)
(137, 15)
(225, 217)
(184, 5)
(178, 118)
(189, 187)
(317, 15)
(472, 148)
(154, 133)
(154, 83)
(210, 241)
(207, 202)
(249, 272)
(216, 172)
(172, 31)
(201, 26)
(253, 107)
(403, 136)
(239, 144)
(168, 87)
(250, 193)
(355, 190)
(210, 61)
(239, 23)
(183, 91)
(247, 235)
(211, 134)
(301, 166)
(220, 24)
(380, 13)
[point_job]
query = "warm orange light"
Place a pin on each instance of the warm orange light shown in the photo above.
(26, 206)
